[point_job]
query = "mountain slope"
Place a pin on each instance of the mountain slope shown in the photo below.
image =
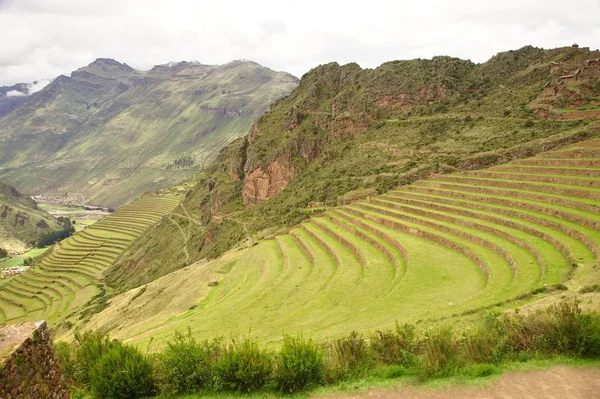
(21, 221)
(346, 133)
(447, 246)
(109, 132)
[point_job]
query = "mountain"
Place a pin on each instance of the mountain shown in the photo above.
(347, 133)
(21, 221)
(108, 132)
(11, 97)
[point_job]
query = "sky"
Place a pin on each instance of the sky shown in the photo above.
(42, 39)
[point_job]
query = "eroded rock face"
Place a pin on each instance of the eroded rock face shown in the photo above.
(261, 184)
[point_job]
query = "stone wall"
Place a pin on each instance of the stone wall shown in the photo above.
(29, 369)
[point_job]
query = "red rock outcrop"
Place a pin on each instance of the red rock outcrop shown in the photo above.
(261, 184)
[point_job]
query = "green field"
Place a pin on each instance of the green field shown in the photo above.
(65, 279)
(437, 248)
(19, 259)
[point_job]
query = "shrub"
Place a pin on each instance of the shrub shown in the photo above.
(299, 364)
(487, 344)
(573, 332)
(66, 359)
(185, 365)
(395, 347)
(243, 367)
(347, 357)
(122, 373)
(590, 288)
(560, 329)
(440, 355)
(3, 253)
(87, 350)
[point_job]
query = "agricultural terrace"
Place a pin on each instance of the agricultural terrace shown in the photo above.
(443, 246)
(66, 277)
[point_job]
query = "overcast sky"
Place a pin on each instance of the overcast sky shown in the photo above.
(45, 38)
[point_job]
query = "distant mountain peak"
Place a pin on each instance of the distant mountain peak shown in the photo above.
(105, 68)
(109, 62)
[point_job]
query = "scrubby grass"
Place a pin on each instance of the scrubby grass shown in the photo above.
(412, 353)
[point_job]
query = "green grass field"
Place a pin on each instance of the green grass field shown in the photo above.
(65, 278)
(19, 259)
(440, 247)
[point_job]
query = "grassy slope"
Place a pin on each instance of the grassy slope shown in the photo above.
(110, 133)
(347, 133)
(21, 221)
(447, 247)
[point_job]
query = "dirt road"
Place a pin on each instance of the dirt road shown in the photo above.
(555, 383)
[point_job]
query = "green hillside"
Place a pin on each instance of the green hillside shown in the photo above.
(108, 133)
(67, 278)
(348, 133)
(442, 247)
(21, 221)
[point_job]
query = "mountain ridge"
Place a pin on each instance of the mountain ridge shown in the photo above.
(125, 126)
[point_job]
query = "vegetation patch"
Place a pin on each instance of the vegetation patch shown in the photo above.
(426, 353)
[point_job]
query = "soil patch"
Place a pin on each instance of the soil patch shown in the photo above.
(558, 382)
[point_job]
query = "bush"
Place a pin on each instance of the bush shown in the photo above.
(560, 329)
(3, 253)
(122, 373)
(440, 354)
(487, 344)
(590, 288)
(243, 367)
(395, 347)
(300, 364)
(86, 351)
(66, 359)
(185, 365)
(347, 357)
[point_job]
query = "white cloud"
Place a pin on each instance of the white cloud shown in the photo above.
(45, 38)
(38, 85)
(15, 93)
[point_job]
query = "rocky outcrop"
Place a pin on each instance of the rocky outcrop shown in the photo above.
(223, 111)
(263, 184)
(28, 367)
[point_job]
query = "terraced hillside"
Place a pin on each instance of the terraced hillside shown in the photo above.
(66, 277)
(442, 246)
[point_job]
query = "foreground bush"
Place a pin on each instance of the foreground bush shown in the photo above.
(81, 357)
(560, 329)
(299, 364)
(395, 347)
(122, 373)
(112, 370)
(185, 365)
(347, 357)
(440, 357)
(243, 367)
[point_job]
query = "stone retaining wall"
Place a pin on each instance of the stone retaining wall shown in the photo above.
(29, 369)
